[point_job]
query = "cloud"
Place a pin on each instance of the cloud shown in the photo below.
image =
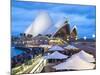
(75, 9)
(32, 5)
(23, 14)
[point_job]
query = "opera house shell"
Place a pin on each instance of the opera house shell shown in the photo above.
(63, 32)
(73, 33)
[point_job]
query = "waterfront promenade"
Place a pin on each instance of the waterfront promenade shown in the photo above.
(32, 66)
(41, 65)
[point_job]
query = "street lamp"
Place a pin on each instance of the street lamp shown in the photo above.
(85, 37)
(93, 35)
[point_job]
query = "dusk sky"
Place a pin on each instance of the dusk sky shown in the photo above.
(24, 13)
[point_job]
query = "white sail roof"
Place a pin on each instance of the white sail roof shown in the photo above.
(59, 25)
(56, 55)
(70, 47)
(75, 63)
(85, 56)
(40, 24)
(74, 27)
(56, 48)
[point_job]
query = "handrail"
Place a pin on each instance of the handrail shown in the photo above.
(24, 68)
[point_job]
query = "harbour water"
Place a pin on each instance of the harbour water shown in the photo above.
(15, 52)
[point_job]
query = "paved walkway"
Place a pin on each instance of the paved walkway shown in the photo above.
(27, 68)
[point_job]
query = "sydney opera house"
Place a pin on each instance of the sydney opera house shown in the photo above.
(43, 23)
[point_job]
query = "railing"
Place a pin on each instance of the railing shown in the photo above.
(33, 66)
(39, 67)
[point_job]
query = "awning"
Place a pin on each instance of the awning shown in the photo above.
(75, 63)
(56, 55)
(85, 56)
(56, 48)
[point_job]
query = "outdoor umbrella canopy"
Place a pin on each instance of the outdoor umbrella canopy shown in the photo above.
(70, 47)
(56, 55)
(56, 48)
(85, 56)
(75, 63)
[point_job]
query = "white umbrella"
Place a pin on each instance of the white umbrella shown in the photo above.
(75, 63)
(69, 47)
(85, 56)
(56, 48)
(56, 55)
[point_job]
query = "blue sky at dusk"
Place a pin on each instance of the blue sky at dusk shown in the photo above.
(24, 13)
